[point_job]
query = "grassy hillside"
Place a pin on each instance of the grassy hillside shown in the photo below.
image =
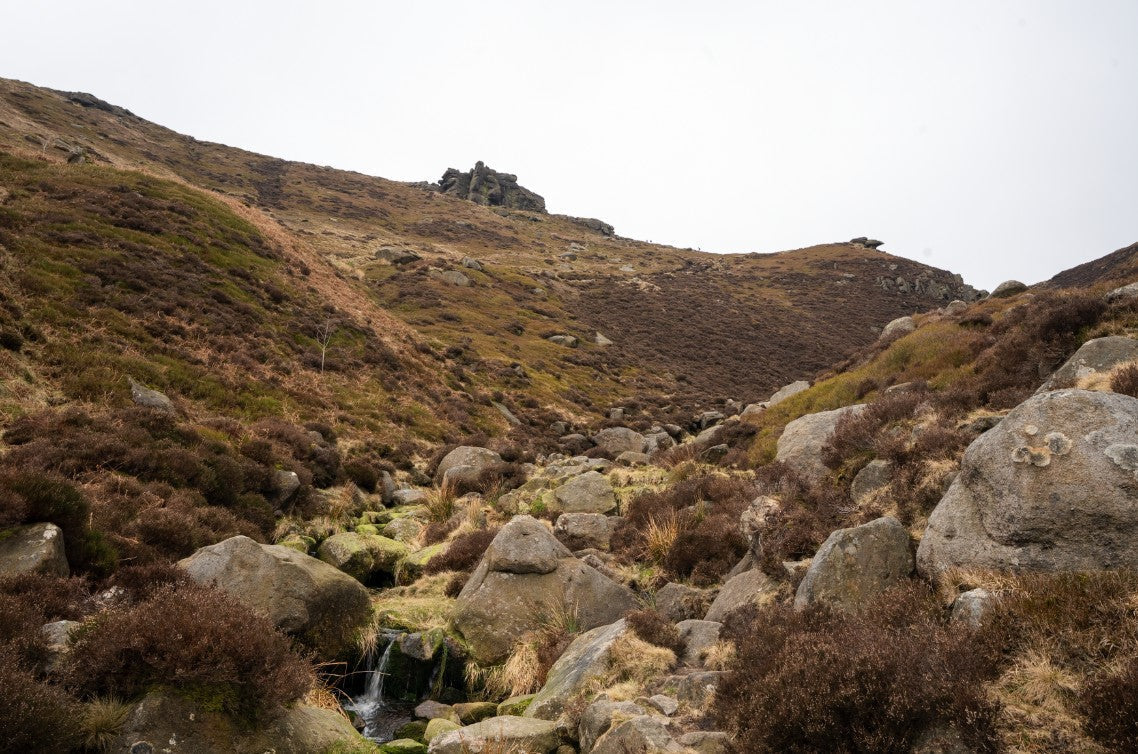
(690, 328)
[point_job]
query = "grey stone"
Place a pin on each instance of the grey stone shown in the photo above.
(490, 188)
(497, 734)
(35, 548)
(144, 396)
(431, 709)
(525, 545)
(749, 587)
(698, 636)
(586, 659)
(601, 340)
(662, 703)
(714, 454)
(569, 341)
(612, 441)
(451, 277)
(363, 556)
(1124, 294)
(630, 458)
(301, 595)
(496, 608)
(972, 607)
(590, 492)
(583, 530)
(801, 442)
(645, 734)
(1007, 289)
(679, 602)
(396, 256)
(598, 717)
(706, 742)
(698, 689)
(476, 459)
(786, 391)
(1051, 488)
(287, 483)
(471, 264)
(1098, 355)
(855, 565)
(876, 475)
(898, 327)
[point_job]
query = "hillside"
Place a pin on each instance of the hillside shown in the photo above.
(299, 459)
(690, 329)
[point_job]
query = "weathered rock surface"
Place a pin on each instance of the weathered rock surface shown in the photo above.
(486, 186)
(876, 475)
(301, 595)
(35, 548)
(898, 327)
(598, 717)
(498, 734)
(1008, 288)
(583, 530)
(698, 635)
(747, 588)
(612, 441)
(468, 461)
(590, 492)
(973, 606)
(586, 659)
(362, 556)
(144, 396)
(800, 445)
(1098, 355)
(1052, 487)
(645, 734)
(787, 391)
(166, 722)
(706, 742)
(678, 602)
(1123, 294)
(855, 565)
(569, 341)
(497, 606)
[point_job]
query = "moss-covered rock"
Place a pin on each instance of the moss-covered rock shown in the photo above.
(363, 556)
(515, 705)
(438, 727)
(403, 746)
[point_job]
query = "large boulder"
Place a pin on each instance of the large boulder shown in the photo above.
(590, 492)
(1008, 288)
(465, 463)
(587, 659)
(363, 556)
(612, 441)
(678, 602)
(854, 565)
(644, 734)
(1052, 487)
(1094, 356)
(787, 391)
(874, 476)
(168, 722)
(800, 445)
(583, 530)
(301, 595)
(526, 578)
(898, 327)
(599, 716)
(35, 548)
(747, 588)
(1123, 295)
(501, 734)
(698, 636)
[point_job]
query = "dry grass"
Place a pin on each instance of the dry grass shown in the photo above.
(719, 656)
(660, 535)
(101, 721)
(440, 501)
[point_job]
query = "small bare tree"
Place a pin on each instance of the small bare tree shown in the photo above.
(324, 332)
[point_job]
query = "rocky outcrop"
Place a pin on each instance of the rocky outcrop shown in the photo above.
(485, 186)
(1051, 487)
(644, 734)
(599, 716)
(527, 575)
(301, 595)
(855, 565)
(1008, 288)
(35, 548)
(1094, 356)
(800, 446)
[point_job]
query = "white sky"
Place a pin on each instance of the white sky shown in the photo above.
(995, 139)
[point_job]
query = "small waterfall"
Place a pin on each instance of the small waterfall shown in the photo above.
(368, 704)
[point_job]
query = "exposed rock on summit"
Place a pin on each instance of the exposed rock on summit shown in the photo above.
(486, 186)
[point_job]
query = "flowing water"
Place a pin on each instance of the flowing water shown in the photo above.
(381, 717)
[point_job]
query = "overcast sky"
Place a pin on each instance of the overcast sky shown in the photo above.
(995, 139)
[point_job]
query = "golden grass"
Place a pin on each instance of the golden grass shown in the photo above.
(100, 722)
(660, 535)
(440, 501)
